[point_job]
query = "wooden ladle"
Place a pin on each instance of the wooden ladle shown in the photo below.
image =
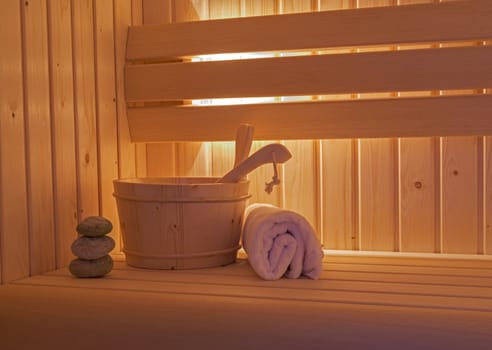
(273, 153)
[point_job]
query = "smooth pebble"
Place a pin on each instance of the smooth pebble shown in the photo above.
(89, 248)
(91, 268)
(94, 226)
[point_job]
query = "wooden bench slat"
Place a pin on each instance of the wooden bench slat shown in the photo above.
(450, 21)
(402, 117)
(411, 70)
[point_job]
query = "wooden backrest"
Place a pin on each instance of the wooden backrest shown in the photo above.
(358, 51)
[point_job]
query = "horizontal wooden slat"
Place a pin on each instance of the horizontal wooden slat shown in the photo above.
(325, 290)
(412, 70)
(449, 21)
(403, 117)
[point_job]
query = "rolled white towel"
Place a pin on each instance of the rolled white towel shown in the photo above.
(280, 243)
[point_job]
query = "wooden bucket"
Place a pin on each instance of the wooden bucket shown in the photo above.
(180, 222)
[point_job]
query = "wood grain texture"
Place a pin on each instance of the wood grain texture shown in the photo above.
(488, 196)
(192, 159)
(39, 138)
(339, 175)
(126, 150)
(160, 158)
(461, 227)
(420, 211)
(85, 108)
(107, 128)
(378, 194)
(14, 231)
(301, 184)
(320, 119)
(313, 75)
(140, 148)
(63, 128)
(458, 21)
(340, 194)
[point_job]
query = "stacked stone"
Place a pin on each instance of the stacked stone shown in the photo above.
(92, 248)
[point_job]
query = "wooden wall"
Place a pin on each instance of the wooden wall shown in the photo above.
(64, 138)
(63, 133)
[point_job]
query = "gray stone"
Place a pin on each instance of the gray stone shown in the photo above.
(89, 248)
(91, 268)
(94, 226)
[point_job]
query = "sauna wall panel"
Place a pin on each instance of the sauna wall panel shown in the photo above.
(63, 133)
(64, 137)
(14, 223)
(63, 127)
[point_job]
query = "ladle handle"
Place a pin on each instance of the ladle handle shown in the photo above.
(271, 153)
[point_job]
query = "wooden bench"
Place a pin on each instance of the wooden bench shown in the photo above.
(428, 51)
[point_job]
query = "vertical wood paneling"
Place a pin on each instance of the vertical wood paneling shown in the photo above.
(14, 236)
(488, 195)
(460, 174)
(140, 148)
(161, 157)
(106, 110)
(340, 194)
(379, 214)
(223, 152)
(339, 179)
(85, 108)
(300, 183)
(420, 189)
(258, 7)
(378, 197)
(126, 154)
(224, 9)
(62, 114)
(38, 137)
(263, 174)
(419, 171)
(192, 158)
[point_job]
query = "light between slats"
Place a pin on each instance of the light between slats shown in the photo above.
(425, 116)
(433, 69)
(458, 20)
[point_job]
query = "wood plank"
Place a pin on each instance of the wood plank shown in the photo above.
(258, 7)
(140, 148)
(381, 282)
(160, 318)
(126, 150)
(458, 20)
(340, 194)
(465, 115)
(160, 159)
(378, 194)
(39, 138)
(339, 177)
(63, 124)
(192, 159)
(313, 75)
(419, 171)
(420, 188)
(224, 9)
(300, 184)
(300, 181)
(488, 196)
(14, 232)
(461, 227)
(320, 295)
(107, 124)
(468, 261)
(85, 108)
